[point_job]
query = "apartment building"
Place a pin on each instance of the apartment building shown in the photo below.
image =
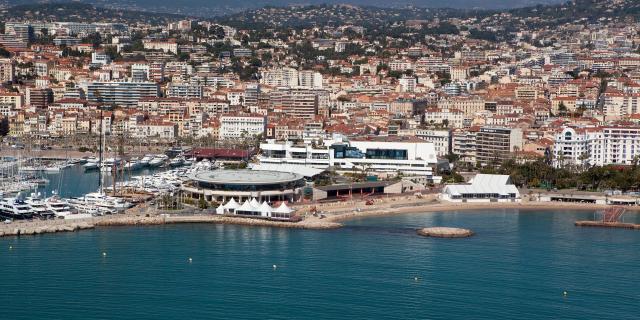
(282, 77)
(297, 103)
(469, 105)
(310, 79)
(7, 70)
(441, 140)
(12, 98)
(121, 93)
(495, 144)
(166, 46)
(184, 90)
(464, 144)
(242, 125)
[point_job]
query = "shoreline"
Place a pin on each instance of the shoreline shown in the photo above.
(448, 207)
(335, 214)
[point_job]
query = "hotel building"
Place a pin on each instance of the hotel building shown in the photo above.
(596, 146)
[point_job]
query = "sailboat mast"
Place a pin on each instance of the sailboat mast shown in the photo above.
(100, 140)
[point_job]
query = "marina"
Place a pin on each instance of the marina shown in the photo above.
(38, 188)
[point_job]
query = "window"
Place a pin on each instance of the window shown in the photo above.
(386, 154)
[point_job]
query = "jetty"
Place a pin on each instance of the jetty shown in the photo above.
(610, 218)
(38, 228)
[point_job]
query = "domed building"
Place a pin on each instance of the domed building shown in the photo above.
(241, 185)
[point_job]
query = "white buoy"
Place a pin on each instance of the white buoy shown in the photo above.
(275, 267)
(10, 247)
(104, 254)
(190, 260)
(564, 293)
(415, 278)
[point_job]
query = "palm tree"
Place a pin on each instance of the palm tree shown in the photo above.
(584, 157)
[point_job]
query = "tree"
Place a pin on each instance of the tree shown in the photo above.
(112, 52)
(562, 109)
(4, 126)
(452, 157)
(4, 53)
(584, 157)
(202, 203)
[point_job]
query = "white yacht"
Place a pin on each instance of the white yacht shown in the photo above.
(133, 165)
(110, 164)
(101, 200)
(59, 207)
(53, 168)
(83, 207)
(146, 159)
(14, 208)
(177, 161)
(92, 164)
(158, 160)
(39, 207)
(189, 161)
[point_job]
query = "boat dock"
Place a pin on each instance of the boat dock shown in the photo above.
(610, 219)
(600, 224)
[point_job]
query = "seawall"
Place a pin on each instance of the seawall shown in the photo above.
(32, 228)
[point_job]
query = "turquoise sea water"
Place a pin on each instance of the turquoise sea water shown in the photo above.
(516, 267)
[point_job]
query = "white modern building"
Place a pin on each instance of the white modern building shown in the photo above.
(441, 140)
(407, 83)
(310, 79)
(100, 58)
(283, 77)
(413, 157)
(166, 46)
(184, 90)
(483, 188)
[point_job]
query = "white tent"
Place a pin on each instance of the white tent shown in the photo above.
(265, 209)
(246, 207)
(255, 204)
(232, 205)
(283, 208)
(220, 209)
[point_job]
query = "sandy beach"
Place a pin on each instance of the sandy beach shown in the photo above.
(330, 215)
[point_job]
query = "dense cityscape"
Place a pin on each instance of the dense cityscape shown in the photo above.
(267, 160)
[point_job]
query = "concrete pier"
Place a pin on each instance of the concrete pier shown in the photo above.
(32, 229)
(601, 224)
